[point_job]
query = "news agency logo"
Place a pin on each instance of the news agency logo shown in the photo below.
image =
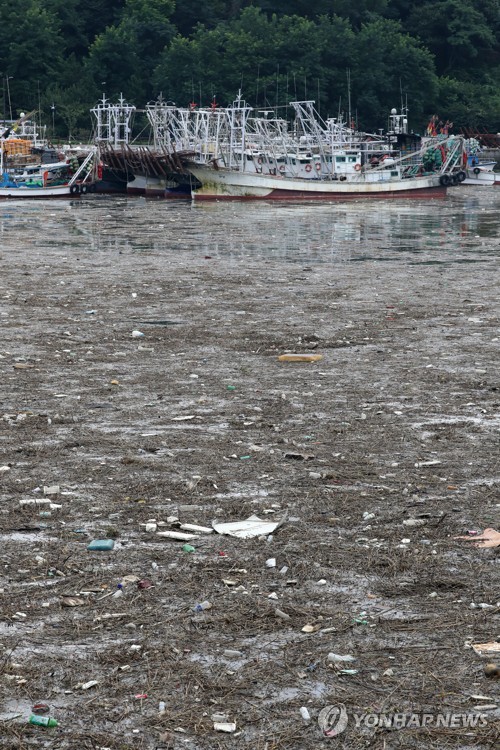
(333, 720)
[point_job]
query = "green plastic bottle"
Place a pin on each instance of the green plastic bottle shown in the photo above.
(43, 721)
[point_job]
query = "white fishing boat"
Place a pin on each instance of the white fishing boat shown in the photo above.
(480, 175)
(479, 171)
(260, 158)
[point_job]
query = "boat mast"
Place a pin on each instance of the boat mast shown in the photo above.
(238, 116)
(113, 121)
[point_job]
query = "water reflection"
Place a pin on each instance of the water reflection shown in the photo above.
(435, 231)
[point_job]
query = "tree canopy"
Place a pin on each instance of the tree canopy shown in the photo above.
(436, 56)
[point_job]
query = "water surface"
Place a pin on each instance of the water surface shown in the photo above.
(461, 228)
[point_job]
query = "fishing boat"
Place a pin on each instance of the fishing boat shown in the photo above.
(479, 171)
(261, 158)
(153, 170)
(57, 180)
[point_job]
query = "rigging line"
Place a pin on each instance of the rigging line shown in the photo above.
(277, 85)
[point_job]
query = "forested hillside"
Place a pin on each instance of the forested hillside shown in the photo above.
(438, 55)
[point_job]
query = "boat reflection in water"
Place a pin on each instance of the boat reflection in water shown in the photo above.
(311, 233)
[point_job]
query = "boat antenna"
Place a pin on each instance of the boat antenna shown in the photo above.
(39, 106)
(277, 84)
(319, 101)
(349, 95)
(257, 85)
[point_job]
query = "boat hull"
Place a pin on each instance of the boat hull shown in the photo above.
(175, 186)
(484, 177)
(37, 193)
(224, 184)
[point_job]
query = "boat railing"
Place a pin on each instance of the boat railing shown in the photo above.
(83, 169)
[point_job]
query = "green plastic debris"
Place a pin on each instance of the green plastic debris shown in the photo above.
(231, 387)
(43, 721)
(101, 545)
(188, 548)
(361, 619)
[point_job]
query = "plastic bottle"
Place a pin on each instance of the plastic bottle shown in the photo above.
(305, 714)
(119, 591)
(43, 721)
(204, 605)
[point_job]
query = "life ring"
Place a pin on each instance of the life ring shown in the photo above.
(74, 189)
(476, 170)
(445, 179)
(454, 179)
(357, 167)
(308, 168)
(462, 175)
(318, 166)
(282, 168)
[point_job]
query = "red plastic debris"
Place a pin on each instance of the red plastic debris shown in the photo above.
(40, 708)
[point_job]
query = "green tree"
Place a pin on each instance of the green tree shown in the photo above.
(123, 56)
(189, 13)
(470, 105)
(30, 51)
(271, 59)
(457, 32)
(388, 65)
(80, 23)
(355, 11)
